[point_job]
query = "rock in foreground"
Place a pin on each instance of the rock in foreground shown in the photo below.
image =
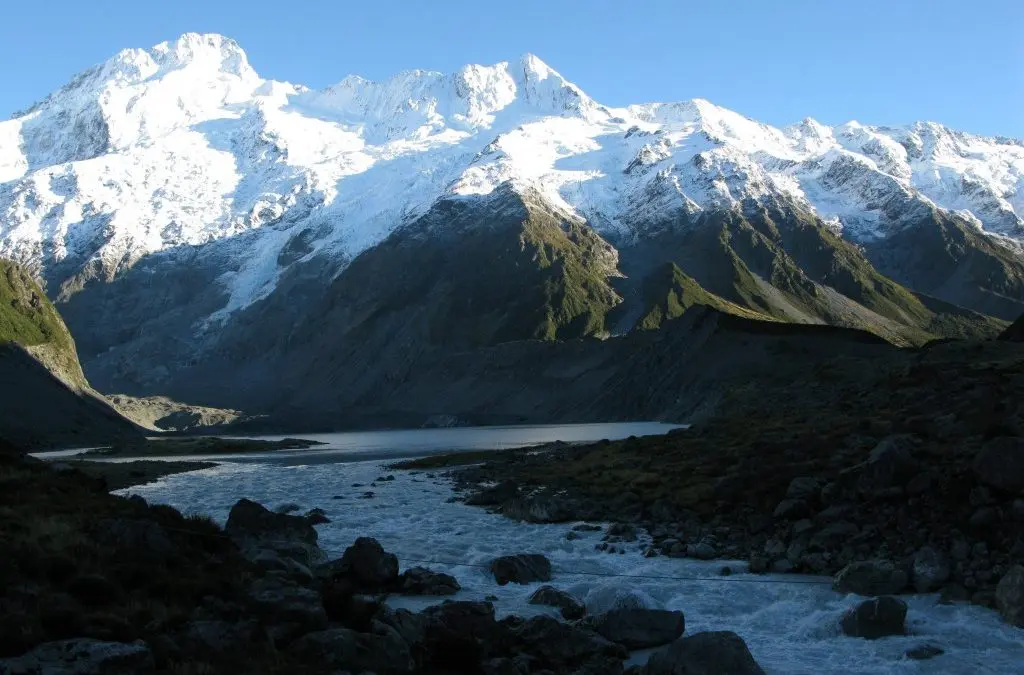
(1010, 596)
(640, 628)
(255, 528)
(84, 656)
(521, 569)
(875, 618)
(870, 577)
(570, 607)
(712, 653)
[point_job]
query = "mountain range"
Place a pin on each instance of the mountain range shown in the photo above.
(434, 243)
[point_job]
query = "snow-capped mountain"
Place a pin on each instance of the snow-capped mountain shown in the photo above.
(165, 194)
(184, 144)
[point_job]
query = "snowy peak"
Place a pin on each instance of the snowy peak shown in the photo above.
(184, 144)
(419, 103)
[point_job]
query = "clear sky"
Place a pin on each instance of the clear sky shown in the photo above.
(959, 62)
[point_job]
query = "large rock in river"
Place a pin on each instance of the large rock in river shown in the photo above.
(1010, 596)
(875, 618)
(369, 565)
(521, 569)
(712, 653)
(570, 607)
(255, 528)
(640, 628)
(870, 577)
(421, 581)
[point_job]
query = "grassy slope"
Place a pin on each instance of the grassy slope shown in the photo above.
(669, 292)
(785, 264)
(28, 318)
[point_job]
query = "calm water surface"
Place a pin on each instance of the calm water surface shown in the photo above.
(357, 446)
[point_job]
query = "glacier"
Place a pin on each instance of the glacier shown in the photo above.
(184, 144)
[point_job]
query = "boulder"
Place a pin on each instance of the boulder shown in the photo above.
(870, 577)
(288, 608)
(640, 628)
(607, 598)
(218, 636)
(1010, 596)
(570, 607)
(930, 570)
(792, 509)
(1000, 464)
(875, 618)
(82, 656)
(144, 538)
(701, 551)
(538, 509)
(369, 565)
(346, 649)
(344, 605)
(521, 569)
(890, 464)
(804, 488)
(457, 636)
(273, 561)
(563, 647)
(255, 528)
(493, 496)
(317, 517)
(711, 653)
(421, 581)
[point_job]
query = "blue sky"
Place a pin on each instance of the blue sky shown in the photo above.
(959, 62)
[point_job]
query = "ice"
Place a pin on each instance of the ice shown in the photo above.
(184, 144)
(790, 627)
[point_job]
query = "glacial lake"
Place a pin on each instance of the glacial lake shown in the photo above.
(357, 446)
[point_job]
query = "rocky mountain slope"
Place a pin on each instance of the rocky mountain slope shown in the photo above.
(193, 219)
(45, 399)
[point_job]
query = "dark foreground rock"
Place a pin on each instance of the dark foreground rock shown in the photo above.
(521, 569)
(640, 628)
(712, 653)
(875, 618)
(369, 564)
(1010, 596)
(255, 528)
(871, 577)
(570, 607)
(360, 652)
(82, 657)
(421, 581)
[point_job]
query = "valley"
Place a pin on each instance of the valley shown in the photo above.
(275, 349)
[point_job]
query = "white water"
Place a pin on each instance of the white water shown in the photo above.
(790, 628)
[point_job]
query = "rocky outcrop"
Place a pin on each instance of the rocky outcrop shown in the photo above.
(1010, 596)
(82, 657)
(712, 653)
(930, 570)
(639, 628)
(521, 569)
(350, 650)
(369, 565)
(421, 581)
(570, 608)
(870, 577)
(1000, 464)
(875, 618)
(255, 529)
